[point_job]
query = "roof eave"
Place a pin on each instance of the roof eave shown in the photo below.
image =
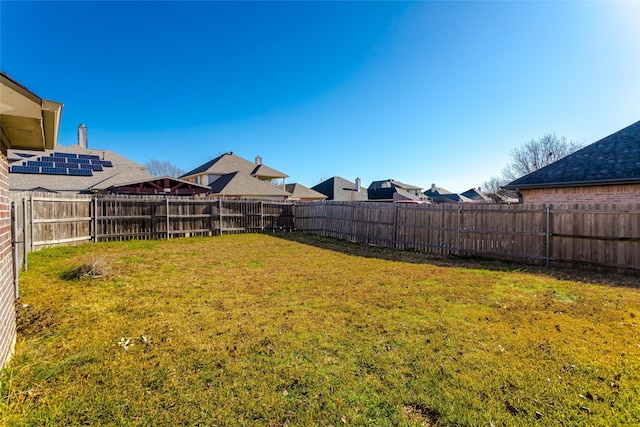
(625, 181)
(28, 121)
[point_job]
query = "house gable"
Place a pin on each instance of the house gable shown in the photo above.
(238, 184)
(340, 189)
(228, 163)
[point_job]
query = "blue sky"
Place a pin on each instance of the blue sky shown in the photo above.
(421, 92)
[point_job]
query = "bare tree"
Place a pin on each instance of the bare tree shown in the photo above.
(529, 157)
(493, 184)
(538, 153)
(164, 168)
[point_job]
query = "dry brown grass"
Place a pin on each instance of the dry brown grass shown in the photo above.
(260, 330)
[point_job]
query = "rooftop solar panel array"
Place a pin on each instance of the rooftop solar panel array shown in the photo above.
(58, 163)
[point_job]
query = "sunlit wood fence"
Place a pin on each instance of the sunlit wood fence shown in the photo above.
(600, 236)
(44, 220)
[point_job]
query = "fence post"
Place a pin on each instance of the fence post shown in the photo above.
(353, 222)
(14, 247)
(324, 219)
(220, 213)
(548, 237)
(95, 218)
(458, 231)
(211, 227)
(31, 220)
(24, 233)
(167, 207)
(262, 216)
(395, 226)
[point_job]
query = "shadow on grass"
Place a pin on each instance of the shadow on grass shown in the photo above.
(418, 257)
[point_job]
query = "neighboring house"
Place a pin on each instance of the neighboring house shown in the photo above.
(164, 185)
(227, 163)
(607, 171)
(477, 195)
(301, 193)
(391, 190)
(72, 169)
(440, 195)
(339, 189)
(31, 123)
(242, 185)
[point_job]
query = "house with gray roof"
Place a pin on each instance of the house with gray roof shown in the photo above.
(607, 171)
(227, 163)
(340, 189)
(300, 193)
(72, 169)
(440, 195)
(242, 185)
(391, 190)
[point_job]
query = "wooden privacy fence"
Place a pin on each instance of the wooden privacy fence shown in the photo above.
(600, 236)
(45, 220)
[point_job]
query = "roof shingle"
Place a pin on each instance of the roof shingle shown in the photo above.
(611, 160)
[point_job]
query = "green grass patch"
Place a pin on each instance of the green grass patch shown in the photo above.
(262, 330)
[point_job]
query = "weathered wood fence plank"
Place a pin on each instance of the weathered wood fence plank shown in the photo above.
(603, 237)
(51, 220)
(600, 236)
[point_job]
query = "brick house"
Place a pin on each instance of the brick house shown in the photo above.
(607, 171)
(27, 122)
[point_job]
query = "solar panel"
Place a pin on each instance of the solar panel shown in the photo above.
(38, 163)
(80, 172)
(73, 165)
(106, 163)
(92, 167)
(79, 161)
(25, 169)
(67, 155)
(54, 171)
(88, 156)
(61, 165)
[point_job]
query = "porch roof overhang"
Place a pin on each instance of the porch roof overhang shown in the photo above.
(27, 121)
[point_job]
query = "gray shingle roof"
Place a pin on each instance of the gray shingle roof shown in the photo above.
(611, 160)
(238, 184)
(122, 171)
(229, 162)
(302, 192)
(388, 194)
(340, 189)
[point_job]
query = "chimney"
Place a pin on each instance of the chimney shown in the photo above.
(82, 136)
(358, 185)
(258, 160)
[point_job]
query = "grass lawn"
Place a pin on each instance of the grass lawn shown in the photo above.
(300, 330)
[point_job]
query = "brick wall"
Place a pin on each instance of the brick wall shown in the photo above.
(596, 194)
(7, 311)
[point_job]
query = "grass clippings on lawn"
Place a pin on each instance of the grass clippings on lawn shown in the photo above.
(261, 330)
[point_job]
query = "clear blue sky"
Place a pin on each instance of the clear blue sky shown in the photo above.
(421, 92)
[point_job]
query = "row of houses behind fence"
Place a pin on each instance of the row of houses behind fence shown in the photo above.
(606, 171)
